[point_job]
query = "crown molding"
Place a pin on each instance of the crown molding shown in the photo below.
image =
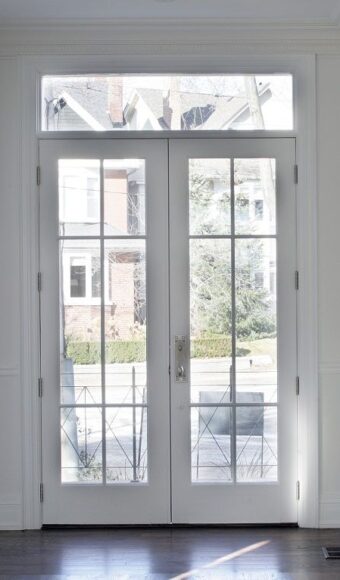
(248, 23)
(169, 36)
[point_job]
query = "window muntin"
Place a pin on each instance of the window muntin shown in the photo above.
(233, 320)
(163, 102)
(103, 321)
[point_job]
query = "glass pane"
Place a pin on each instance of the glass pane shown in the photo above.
(81, 445)
(210, 318)
(80, 322)
(126, 445)
(255, 196)
(77, 277)
(209, 196)
(125, 321)
(256, 320)
(124, 197)
(256, 444)
(161, 102)
(79, 197)
(210, 442)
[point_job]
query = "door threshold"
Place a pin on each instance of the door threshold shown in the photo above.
(164, 526)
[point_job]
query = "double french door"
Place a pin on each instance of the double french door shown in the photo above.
(168, 331)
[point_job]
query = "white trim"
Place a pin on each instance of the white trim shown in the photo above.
(330, 511)
(329, 368)
(160, 134)
(154, 59)
(10, 516)
(130, 22)
(308, 411)
(9, 372)
(29, 266)
(168, 37)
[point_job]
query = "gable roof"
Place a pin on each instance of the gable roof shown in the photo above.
(85, 109)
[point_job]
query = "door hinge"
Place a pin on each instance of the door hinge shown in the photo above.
(41, 492)
(40, 387)
(169, 370)
(38, 175)
(296, 174)
(297, 490)
(297, 280)
(297, 385)
(39, 281)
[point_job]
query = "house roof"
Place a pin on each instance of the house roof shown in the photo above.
(82, 107)
(201, 110)
(92, 98)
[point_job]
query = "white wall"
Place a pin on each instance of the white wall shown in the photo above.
(10, 392)
(328, 98)
(11, 397)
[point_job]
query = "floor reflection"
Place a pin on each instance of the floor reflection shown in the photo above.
(222, 560)
(171, 554)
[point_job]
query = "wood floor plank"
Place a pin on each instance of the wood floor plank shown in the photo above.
(199, 553)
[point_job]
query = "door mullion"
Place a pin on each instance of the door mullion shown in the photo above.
(233, 325)
(102, 319)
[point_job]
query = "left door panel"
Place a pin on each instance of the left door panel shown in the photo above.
(105, 331)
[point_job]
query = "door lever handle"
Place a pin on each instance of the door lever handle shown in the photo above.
(180, 372)
(181, 358)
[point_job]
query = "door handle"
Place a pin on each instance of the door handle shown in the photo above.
(181, 358)
(180, 372)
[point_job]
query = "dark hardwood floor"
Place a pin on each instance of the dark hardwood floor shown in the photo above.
(197, 553)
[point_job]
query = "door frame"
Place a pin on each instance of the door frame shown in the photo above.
(303, 70)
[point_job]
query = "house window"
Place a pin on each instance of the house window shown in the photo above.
(259, 280)
(77, 278)
(242, 208)
(259, 209)
(82, 278)
(161, 102)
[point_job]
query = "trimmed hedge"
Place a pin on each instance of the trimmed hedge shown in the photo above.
(211, 347)
(89, 353)
(125, 351)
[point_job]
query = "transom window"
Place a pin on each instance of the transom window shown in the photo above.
(161, 102)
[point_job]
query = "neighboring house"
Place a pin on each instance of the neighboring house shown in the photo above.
(123, 262)
(100, 106)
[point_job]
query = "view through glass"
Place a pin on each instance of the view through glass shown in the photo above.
(103, 372)
(140, 102)
(233, 321)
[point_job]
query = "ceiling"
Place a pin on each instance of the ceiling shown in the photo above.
(321, 12)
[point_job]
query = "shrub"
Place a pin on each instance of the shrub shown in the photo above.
(127, 351)
(89, 353)
(211, 347)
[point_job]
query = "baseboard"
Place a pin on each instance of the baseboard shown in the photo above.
(330, 512)
(11, 516)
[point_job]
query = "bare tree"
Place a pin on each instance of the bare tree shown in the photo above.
(256, 115)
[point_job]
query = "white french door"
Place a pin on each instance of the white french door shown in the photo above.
(233, 315)
(168, 255)
(104, 332)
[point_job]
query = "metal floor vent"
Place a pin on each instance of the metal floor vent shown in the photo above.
(332, 553)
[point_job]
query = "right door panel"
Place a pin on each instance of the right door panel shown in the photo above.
(233, 330)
